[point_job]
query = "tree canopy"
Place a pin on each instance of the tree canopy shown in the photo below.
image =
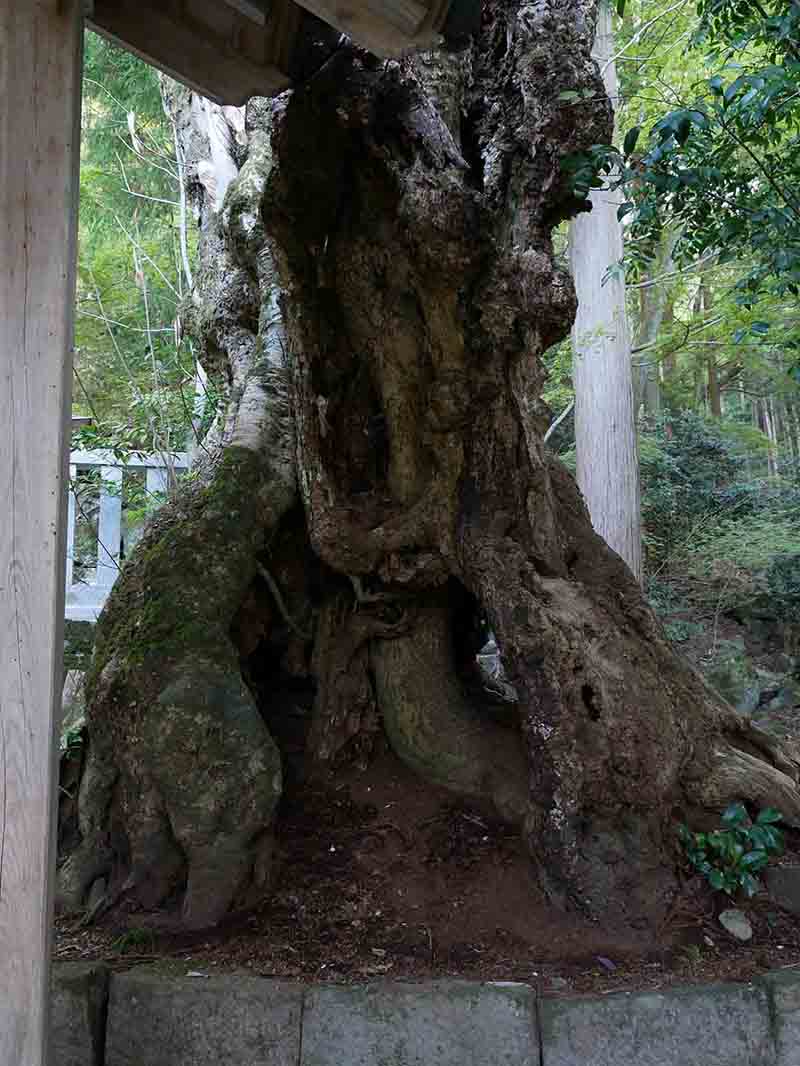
(134, 369)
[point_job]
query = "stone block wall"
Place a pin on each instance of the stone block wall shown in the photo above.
(144, 1018)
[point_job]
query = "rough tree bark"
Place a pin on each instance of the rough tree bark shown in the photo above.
(374, 297)
(182, 775)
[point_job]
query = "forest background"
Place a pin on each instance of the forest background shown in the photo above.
(706, 156)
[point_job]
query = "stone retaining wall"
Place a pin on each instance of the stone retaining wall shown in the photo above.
(142, 1018)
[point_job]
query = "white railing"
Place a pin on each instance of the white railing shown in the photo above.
(87, 592)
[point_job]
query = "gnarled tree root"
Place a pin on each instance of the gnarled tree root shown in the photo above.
(435, 729)
(764, 776)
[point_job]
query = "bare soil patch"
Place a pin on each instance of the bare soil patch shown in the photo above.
(385, 876)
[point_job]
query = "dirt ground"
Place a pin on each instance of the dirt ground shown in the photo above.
(387, 877)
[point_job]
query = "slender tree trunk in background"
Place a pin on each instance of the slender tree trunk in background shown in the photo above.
(743, 406)
(714, 390)
(605, 423)
(794, 436)
(700, 388)
(653, 302)
(714, 395)
(788, 431)
(667, 366)
(699, 373)
(769, 429)
(777, 429)
(776, 411)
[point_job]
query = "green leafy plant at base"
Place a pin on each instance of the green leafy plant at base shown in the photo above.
(730, 857)
(135, 939)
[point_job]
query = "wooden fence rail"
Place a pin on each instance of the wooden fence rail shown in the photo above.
(86, 592)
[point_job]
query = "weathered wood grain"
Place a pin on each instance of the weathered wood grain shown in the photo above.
(386, 27)
(40, 65)
(230, 50)
(212, 47)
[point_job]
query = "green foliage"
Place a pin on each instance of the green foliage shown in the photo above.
(686, 465)
(134, 941)
(730, 671)
(731, 856)
(693, 954)
(782, 580)
(78, 643)
(755, 542)
(708, 159)
(725, 164)
(682, 630)
(722, 548)
(746, 564)
(134, 375)
(72, 740)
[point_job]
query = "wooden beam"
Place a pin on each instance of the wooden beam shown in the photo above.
(253, 9)
(40, 87)
(386, 27)
(210, 46)
(230, 50)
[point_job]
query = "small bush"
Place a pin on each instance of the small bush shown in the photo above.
(681, 630)
(730, 670)
(782, 581)
(730, 857)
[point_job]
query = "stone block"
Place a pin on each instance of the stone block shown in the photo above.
(440, 1023)
(727, 1025)
(783, 988)
(156, 1020)
(783, 883)
(78, 1000)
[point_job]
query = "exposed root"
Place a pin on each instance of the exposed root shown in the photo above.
(433, 727)
(276, 595)
(94, 856)
(344, 713)
(735, 774)
(781, 754)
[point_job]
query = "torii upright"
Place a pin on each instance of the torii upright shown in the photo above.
(229, 50)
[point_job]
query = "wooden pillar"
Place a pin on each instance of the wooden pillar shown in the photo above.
(40, 69)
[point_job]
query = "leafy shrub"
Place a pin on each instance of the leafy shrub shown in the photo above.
(730, 857)
(749, 564)
(717, 539)
(686, 463)
(133, 940)
(730, 670)
(680, 630)
(782, 580)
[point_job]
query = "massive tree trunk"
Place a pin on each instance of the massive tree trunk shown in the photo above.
(373, 299)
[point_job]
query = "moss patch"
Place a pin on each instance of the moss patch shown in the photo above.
(187, 576)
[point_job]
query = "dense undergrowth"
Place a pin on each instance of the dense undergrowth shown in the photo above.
(722, 543)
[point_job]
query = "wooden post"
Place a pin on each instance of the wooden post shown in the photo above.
(40, 84)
